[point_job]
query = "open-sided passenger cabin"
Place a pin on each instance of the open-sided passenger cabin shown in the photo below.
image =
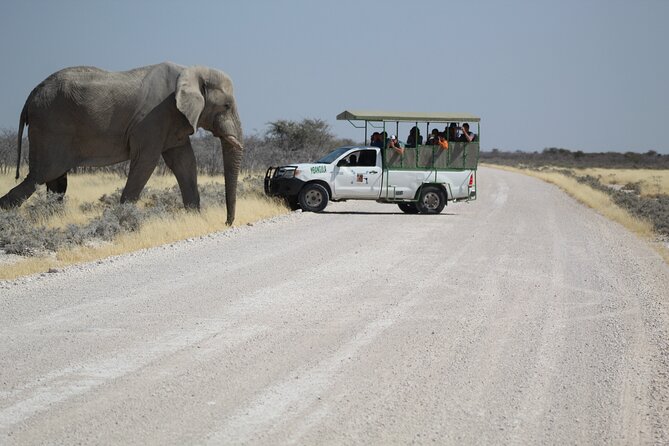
(459, 155)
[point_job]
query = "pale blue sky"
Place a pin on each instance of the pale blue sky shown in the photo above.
(589, 75)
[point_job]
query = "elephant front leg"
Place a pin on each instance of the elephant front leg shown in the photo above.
(181, 161)
(141, 169)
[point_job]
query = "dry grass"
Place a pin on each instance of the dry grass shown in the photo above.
(88, 188)
(652, 182)
(153, 232)
(600, 201)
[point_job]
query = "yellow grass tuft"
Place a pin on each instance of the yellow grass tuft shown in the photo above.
(26, 266)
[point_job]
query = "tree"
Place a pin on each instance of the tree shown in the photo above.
(310, 134)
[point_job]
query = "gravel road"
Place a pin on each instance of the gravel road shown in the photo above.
(520, 318)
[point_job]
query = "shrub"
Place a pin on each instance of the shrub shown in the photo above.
(44, 205)
(19, 236)
(162, 201)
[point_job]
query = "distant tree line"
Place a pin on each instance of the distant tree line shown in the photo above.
(284, 141)
(287, 141)
(565, 158)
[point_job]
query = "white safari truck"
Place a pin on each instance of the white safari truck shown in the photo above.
(419, 177)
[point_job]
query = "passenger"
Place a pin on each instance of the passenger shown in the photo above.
(466, 135)
(376, 140)
(433, 139)
(442, 142)
(393, 143)
(384, 139)
(451, 132)
(415, 138)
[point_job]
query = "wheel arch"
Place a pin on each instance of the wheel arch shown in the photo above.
(322, 183)
(442, 186)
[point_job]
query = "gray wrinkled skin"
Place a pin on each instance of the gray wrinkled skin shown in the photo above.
(84, 116)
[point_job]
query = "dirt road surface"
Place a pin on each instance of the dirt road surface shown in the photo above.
(521, 318)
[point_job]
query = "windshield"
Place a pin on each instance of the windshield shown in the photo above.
(330, 157)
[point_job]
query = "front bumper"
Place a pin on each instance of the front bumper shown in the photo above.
(279, 186)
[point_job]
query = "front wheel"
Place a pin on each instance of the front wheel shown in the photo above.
(408, 208)
(313, 198)
(431, 201)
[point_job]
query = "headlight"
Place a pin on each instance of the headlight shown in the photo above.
(285, 172)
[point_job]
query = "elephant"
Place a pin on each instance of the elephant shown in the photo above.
(85, 116)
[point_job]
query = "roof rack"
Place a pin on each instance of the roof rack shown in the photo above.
(381, 116)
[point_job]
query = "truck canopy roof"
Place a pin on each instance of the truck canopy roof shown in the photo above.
(376, 115)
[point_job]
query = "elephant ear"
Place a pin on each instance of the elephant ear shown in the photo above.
(190, 100)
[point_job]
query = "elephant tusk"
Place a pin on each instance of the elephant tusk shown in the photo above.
(234, 141)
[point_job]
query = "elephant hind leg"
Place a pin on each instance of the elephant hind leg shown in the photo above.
(58, 186)
(19, 194)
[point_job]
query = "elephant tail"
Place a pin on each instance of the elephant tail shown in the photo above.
(22, 123)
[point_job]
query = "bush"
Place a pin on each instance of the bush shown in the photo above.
(44, 205)
(162, 201)
(19, 236)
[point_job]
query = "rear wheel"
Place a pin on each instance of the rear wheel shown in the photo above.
(431, 201)
(408, 208)
(313, 198)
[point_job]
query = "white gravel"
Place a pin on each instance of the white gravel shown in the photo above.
(521, 318)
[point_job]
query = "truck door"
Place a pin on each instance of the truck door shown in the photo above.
(358, 175)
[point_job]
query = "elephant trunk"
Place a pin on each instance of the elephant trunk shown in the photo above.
(230, 133)
(232, 161)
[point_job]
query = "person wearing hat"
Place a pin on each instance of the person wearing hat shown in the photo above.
(393, 143)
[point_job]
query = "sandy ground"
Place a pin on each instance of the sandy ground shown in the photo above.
(521, 318)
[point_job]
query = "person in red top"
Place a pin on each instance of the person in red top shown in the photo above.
(442, 143)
